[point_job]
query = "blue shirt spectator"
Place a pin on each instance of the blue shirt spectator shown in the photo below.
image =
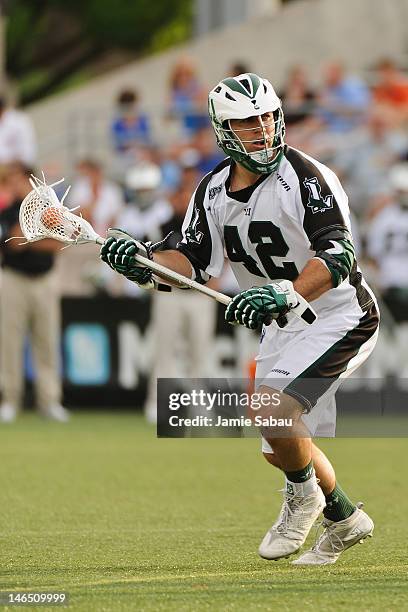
(188, 99)
(131, 128)
(343, 101)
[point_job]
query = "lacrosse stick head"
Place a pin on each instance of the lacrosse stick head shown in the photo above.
(60, 223)
(41, 197)
(42, 215)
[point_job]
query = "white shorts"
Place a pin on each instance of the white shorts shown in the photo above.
(310, 364)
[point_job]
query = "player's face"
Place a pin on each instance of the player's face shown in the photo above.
(255, 133)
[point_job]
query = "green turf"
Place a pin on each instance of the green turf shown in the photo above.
(122, 521)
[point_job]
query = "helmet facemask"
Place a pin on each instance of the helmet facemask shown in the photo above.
(237, 142)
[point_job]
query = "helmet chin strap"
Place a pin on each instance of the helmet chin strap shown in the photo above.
(266, 156)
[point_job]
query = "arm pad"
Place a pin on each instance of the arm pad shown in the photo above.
(198, 274)
(335, 248)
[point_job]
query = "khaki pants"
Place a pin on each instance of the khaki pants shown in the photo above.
(183, 338)
(30, 305)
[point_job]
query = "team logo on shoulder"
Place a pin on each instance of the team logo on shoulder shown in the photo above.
(193, 234)
(212, 192)
(317, 202)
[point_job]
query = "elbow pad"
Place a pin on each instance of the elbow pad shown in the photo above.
(335, 248)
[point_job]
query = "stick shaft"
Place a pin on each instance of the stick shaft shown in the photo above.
(302, 310)
(175, 276)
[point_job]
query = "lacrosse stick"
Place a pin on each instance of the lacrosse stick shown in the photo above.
(42, 215)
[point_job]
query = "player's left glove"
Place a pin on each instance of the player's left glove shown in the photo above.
(260, 305)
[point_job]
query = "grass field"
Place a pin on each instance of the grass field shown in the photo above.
(103, 510)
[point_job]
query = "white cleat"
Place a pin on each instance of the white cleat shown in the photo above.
(296, 518)
(56, 412)
(337, 537)
(8, 413)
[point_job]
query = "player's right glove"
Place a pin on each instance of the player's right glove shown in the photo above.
(119, 255)
(119, 251)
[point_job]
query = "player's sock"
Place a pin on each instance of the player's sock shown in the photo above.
(301, 475)
(338, 505)
(302, 482)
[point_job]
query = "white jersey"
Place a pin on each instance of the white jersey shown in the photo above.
(387, 244)
(267, 230)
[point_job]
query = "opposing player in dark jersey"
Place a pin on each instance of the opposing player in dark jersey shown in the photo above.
(282, 218)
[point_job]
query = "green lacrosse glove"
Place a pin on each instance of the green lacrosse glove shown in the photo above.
(260, 305)
(119, 255)
(119, 250)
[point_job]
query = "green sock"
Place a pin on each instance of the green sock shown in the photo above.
(338, 506)
(301, 475)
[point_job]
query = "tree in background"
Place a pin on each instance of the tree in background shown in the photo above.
(52, 44)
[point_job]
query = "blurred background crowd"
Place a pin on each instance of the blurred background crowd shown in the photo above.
(355, 123)
(358, 128)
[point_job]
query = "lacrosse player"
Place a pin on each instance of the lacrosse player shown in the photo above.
(282, 218)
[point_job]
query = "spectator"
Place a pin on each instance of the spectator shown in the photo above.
(146, 207)
(238, 68)
(188, 100)
(200, 155)
(170, 168)
(130, 130)
(298, 98)
(391, 91)
(181, 349)
(6, 194)
(343, 100)
(303, 129)
(392, 86)
(17, 138)
(29, 304)
(387, 245)
(190, 177)
(100, 199)
(365, 161)
(208, 153)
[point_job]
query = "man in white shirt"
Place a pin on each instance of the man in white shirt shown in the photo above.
(17, 137)
(100, 199)
(387, 245)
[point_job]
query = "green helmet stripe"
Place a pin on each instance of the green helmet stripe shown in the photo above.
(235, 85)
(212, 110)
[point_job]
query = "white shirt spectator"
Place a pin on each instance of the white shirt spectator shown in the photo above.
(387, 244)
(142, 224)
(17, 138)
(365, 160)
(107, 207)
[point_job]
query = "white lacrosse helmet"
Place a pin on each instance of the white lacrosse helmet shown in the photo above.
(399, 182)
(399, 177)
(143, 177)
(142, 182)
(246, 95)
